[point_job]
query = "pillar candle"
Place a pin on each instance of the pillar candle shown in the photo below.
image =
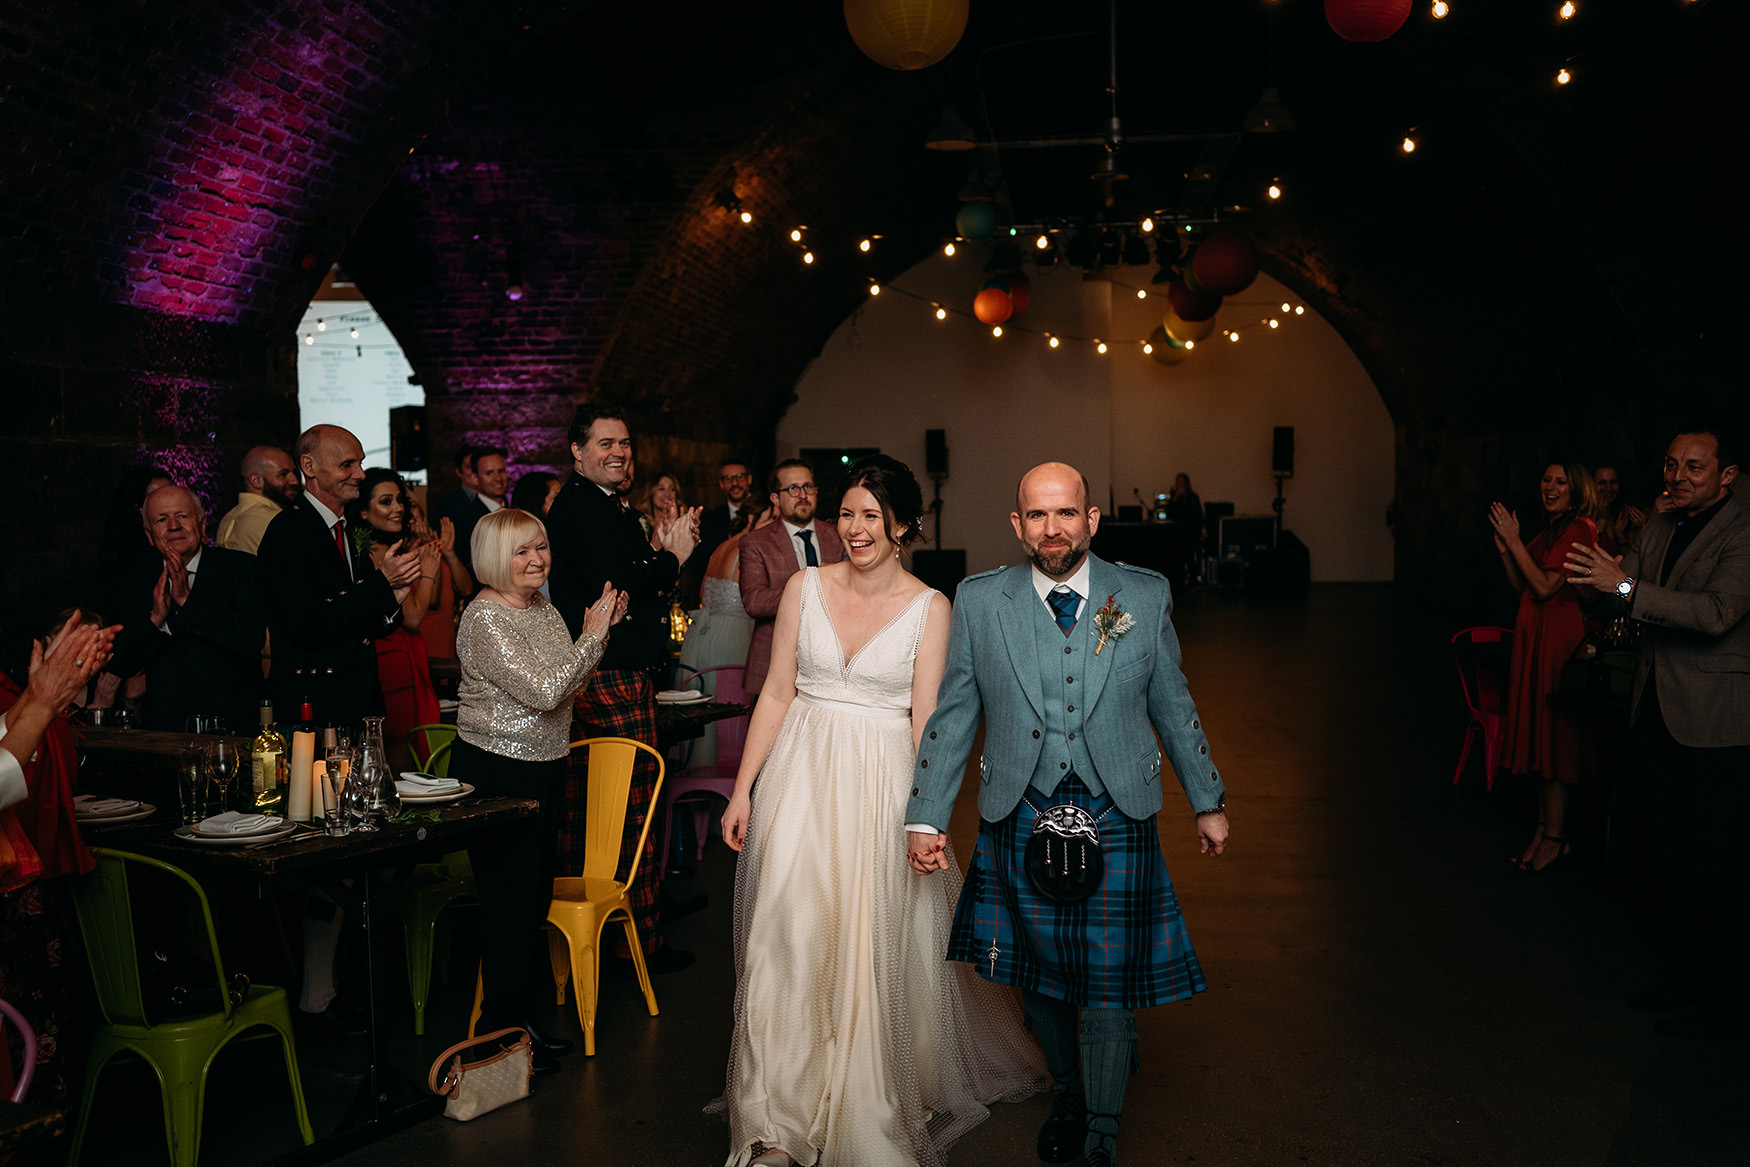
(318, 782)
(303, 759)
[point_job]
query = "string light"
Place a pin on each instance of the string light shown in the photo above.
(1148, 225)
(309, 338)
(1052, 340)
(996, 330)
(1099, 346)
(747, 216)
(941, 312)
(863, 246)
(808, 257)
(320, 325)
(1409, 146)
(1142, 293)
(1566, 11)
(796, 235)
(1563, 76)
(1042, 242)
(948, 250)
(1234, 336)
(355, 334)
(1440, 9)
(1299, 310)
(1275, 192)
(874, 289)
(1273, 322)
(1285, 305)
(1147, 348)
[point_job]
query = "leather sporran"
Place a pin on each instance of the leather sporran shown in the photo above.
(1064, 859)
(477, 1088)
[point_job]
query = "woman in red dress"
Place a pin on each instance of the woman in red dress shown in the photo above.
(1544, 741)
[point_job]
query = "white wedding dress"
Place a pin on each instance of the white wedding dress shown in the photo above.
(855, 1043)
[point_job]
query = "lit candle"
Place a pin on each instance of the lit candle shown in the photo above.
(303, 761)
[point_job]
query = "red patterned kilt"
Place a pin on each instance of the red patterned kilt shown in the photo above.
(616, 703)
(1124, 947)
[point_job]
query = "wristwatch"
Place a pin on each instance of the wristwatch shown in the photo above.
(1626, 588)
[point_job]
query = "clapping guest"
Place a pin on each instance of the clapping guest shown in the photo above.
(454, 584)
(1542, 740)
(520, 671)
(378, 520)
(1618, 522)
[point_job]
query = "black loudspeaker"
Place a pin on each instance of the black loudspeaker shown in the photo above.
(407, 437)
(936, 452)
(1282, 451)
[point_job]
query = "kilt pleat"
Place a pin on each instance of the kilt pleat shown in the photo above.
(1125, 946)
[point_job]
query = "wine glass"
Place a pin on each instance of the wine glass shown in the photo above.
(223, 758)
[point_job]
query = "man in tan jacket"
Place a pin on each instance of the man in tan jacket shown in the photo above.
(1687, 583)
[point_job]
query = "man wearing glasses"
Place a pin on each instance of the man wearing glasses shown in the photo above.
(775, 552)
(735, 481)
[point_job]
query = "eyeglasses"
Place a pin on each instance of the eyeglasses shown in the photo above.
(799, 490)
(734, 477)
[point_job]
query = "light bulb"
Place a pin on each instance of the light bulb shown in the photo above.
(863, 246)
(1275, 323)
(874, 289)
(1189, 345)
(1234, 336)
(1042, 242)
(948, 251)
(320, 326)
(941, 312)
(1099, 346)
(1299, 310)
(1052, 341)
(1148, 225)
(796, 235)
(355, 334)
(808, 257)
(996, 330)
(1142, 293)
(1563, 76)
(747, 216)
(1440, 9)
(309, 338)
(1285, 305)
(1147, 348)
(1275, 192)
(1566, 11)
(1409, 145)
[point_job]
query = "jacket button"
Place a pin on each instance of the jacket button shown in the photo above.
(914, 792)
(932, 735)
(1203, 749)
(1035, 733)
(1214, 777)
(1069, 680)
(1072, 737)
(1063, 765)
(1071, 709)
(1067, 650)
(924, 764)
(1195, 724)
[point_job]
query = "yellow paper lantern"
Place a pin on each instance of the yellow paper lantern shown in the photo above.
(1187, 330)
(906, 34)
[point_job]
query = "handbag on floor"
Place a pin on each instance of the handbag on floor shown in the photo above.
(477, 1088)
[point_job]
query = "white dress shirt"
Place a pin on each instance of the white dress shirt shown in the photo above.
(796, 543)
(329, 518)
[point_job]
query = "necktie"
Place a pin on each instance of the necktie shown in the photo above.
(808, 553)
(340, 544)
(1063, 601)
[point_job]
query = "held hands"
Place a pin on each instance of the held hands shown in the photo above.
(926, 851)
(607, 611)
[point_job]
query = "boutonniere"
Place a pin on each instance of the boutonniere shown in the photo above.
(1112, 622)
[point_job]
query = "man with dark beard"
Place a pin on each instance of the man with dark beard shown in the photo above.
(1073, 664)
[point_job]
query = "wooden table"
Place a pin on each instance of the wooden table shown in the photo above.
(679, 723)
(24, 1124)
(387, 1103)
(146, 743)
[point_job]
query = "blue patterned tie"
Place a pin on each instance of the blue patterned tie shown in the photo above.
(1063, 601)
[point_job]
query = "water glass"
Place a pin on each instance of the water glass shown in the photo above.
(191, 783)
(223, 758)
(122, 718)
(206, 723)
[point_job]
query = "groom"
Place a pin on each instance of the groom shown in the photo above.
(1074, 665)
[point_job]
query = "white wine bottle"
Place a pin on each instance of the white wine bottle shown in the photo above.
(270, 766)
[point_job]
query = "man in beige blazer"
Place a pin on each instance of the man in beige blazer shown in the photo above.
(1687, 583)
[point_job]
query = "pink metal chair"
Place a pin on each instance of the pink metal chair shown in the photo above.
(698, 783)
(27, 1042)
(1481, 654)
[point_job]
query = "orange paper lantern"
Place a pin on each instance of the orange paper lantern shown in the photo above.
(993, 306)
(906, 34)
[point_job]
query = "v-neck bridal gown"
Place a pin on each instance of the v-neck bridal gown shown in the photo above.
(855, 1043)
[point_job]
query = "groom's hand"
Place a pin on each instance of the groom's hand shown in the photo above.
(927, 852)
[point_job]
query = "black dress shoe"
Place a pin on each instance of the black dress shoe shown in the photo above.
(545, 1043)
(339, 1020)
(1063, 1134)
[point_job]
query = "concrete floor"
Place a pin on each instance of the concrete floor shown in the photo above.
(1384, 987)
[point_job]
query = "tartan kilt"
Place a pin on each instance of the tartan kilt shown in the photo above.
(616, 703)
(1124, 947)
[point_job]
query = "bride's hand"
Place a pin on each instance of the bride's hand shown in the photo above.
(735, 822)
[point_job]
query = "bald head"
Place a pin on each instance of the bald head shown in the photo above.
(1052, 518)
(270, 472)
(332, 461)
(175, 522)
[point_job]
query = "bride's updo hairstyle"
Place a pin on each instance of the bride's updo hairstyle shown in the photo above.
(895, 488)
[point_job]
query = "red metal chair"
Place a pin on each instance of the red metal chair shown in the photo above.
(697, 783)
(1481, 654)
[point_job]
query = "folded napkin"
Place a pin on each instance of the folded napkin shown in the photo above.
(413, 782)
(680, 694)
(91, 804)
(234, 822)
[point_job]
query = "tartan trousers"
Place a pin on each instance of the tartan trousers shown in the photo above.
(616, 703)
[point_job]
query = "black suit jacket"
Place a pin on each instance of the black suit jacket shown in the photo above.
(593, 541)
(464, 510)
(713, 530)
(207, 658)
(324, 625)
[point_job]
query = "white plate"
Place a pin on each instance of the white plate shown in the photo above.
(190, 835)
(676, 696)
(144, 810)
(273, 825)
(699, 700)
(79, 811)
(441, 796)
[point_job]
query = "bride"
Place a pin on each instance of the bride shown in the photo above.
(854, 1039)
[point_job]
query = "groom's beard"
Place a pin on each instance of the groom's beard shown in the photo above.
(1058, 562)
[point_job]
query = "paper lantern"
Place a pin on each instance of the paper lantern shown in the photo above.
(1225, 264)
(993, 306)
(1020, 292)
(997, 280)
(1191, 305)
(1363, 20)
(975, 220)
(906, 34)
(1164, 349)
(1183, 330)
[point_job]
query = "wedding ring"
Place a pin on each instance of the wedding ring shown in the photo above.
(79, 662)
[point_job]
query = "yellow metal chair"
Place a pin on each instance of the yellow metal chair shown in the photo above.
(584, 905)
(430, 746)
(179, 1049)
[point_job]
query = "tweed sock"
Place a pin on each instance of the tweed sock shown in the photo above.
(1108, 1047)
(1053, 1023)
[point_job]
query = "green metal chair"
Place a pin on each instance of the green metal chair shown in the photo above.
(179, 1049)
(430, 887)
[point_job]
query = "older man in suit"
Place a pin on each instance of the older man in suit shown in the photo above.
(1686, 582)
(193, 620)
(327, 605)
(777, 551)
(1074, 666)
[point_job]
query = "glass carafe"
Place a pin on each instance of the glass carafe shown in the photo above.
(378, 800)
